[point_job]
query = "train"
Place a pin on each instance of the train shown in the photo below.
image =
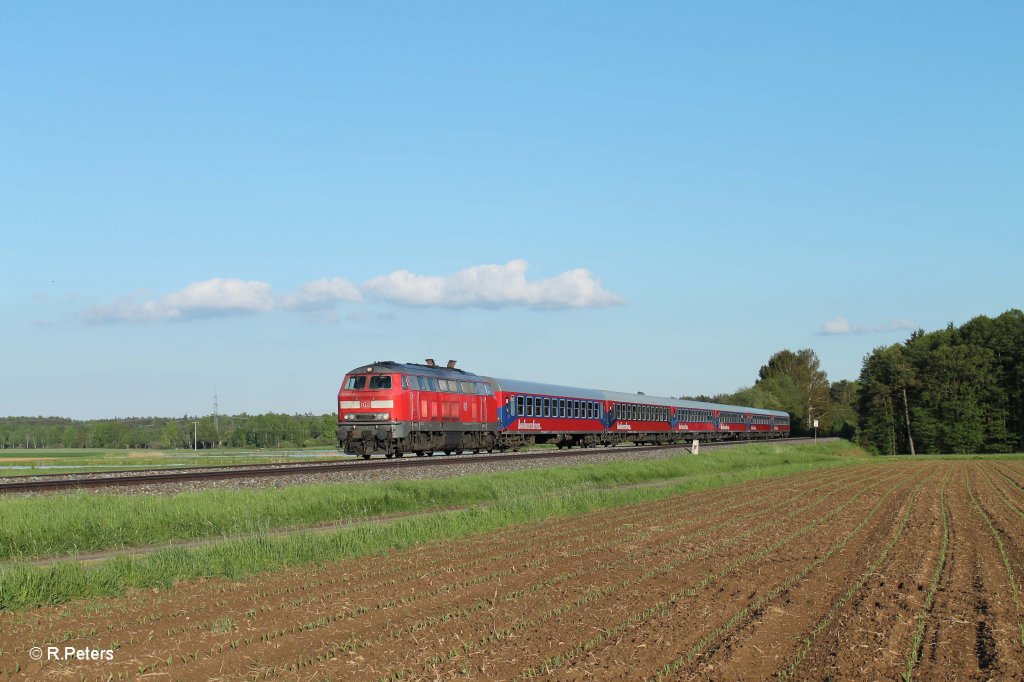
(393, 409)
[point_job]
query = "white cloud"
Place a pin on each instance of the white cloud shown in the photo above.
(840, 325)
(208, 298)
(493, 286)
(321, 294)
(489, 286)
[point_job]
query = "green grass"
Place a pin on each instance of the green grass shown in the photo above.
(56, 524)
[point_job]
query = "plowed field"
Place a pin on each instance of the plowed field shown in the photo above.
(873, 571)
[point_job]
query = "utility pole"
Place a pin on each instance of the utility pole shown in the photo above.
(195, 436)
(216, 417)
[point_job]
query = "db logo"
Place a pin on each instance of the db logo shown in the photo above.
(364, 403)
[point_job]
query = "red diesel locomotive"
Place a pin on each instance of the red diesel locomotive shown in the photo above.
(391, 408)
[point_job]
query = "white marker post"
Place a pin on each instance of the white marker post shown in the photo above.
(695, 450)
(815, 431)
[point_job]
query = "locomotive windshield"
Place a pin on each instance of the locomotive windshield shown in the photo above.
(358, 382)
(355, 383)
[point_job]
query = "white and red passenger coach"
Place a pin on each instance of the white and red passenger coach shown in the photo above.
(392, 408)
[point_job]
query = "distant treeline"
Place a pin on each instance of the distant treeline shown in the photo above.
(957, 390)
(237, 431)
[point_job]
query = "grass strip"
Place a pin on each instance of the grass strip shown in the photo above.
(23, 586)
(284, 596)
(48, 525)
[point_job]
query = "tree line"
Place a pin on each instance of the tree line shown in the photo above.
(236, 431)
(956, 390)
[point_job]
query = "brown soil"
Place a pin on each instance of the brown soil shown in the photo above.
(824, 575)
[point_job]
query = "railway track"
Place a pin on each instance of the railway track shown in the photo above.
(129, 478)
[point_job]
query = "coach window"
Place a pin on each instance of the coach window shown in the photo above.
(520, 404)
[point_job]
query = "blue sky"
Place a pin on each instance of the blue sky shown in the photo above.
(253, 198)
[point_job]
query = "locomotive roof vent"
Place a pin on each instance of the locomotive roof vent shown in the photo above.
(431, 363)
(451, 364)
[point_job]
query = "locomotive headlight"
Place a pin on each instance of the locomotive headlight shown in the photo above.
(382, 416)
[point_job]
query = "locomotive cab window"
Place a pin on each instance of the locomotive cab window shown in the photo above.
(355, 383)
(380, 382)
